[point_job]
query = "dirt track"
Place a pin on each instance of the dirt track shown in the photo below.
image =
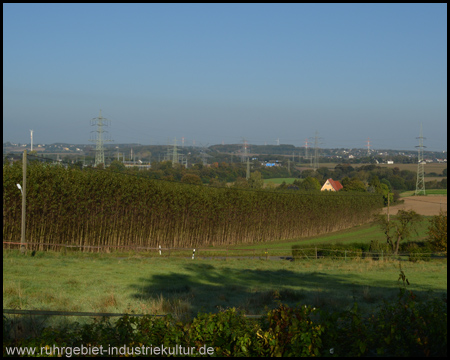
(423, 205)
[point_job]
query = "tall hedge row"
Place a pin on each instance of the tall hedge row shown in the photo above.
(99, 207)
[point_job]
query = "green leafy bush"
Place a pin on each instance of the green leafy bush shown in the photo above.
(376, 249)
(417, 253)
(291, 332)
(228, 332)
(404, 327)
(409, 327)
(348, 333)
(331, 251)
(437, 232)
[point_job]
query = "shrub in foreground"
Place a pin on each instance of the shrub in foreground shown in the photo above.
(405, 327)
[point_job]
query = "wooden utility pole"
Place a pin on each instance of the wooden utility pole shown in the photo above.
(24, 192)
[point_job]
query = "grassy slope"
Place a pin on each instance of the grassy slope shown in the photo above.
(363, 233)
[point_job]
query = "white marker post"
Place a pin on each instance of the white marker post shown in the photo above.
(193, 254)
(159, 249)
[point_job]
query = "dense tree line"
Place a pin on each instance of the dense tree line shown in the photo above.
(99, 207)
(216, 174)
(366, 178)
(395, 179)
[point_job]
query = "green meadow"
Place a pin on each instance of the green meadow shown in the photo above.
(253, 278)
(359, 234)
(183, 287)
(436, 192)
(279, 181)
(428, 192)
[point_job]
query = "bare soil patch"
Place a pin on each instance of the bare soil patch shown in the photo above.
(424, 205)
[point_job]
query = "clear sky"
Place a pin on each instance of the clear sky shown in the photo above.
(216, 73)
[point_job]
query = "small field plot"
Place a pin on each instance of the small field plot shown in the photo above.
(437, 192)
(429, 205)
(184, 287)
(279, 181)
(427, 191)
(429, 167)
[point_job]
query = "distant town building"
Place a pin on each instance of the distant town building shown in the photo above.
(332, 185)
(138, 165)
(271, 163)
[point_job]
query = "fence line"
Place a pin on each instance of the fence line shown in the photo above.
(65, 313)
(256, 252)
(81, 313)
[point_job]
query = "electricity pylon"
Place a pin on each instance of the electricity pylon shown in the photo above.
(245, 157)
(203, 154)
(420, 184)
(174, 153)
(307, 157)
(316, 152)
(99, 150)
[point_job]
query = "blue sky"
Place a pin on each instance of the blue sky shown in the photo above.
(216, 73)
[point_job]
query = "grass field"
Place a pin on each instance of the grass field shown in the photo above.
(184, 287)
(152, 284)
(428, 168)
(428, 192)
(361, 234)
(279, 181)
(436, 192)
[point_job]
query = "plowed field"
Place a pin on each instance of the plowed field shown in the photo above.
(424, 205)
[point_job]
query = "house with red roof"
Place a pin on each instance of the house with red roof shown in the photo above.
(332, 185)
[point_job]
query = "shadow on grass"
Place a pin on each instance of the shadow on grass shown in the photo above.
(203, 287)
